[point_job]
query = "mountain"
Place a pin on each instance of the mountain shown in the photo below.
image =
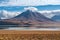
(32, 15)
(28, 17)
(56, 17)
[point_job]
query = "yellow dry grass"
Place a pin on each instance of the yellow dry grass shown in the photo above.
(29, 35)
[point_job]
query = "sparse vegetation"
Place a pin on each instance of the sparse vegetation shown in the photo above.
(29, 35)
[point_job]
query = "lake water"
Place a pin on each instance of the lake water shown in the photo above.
(27, 28)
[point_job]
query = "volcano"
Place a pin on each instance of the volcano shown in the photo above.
(27, 17)
(32, 16)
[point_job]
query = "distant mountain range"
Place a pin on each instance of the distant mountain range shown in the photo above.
(56, 18)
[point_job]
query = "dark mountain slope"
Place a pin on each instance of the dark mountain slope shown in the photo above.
(56, 18)
(30, 15)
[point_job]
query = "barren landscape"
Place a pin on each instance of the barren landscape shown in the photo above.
(29, 35)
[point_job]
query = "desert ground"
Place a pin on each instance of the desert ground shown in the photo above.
(29, 35)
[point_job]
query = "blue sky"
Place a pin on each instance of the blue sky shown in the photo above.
(28, 2)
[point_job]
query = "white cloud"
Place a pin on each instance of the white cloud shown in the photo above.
(31, 8)
(7, 14)
(54, 2)
(30, 2)
(3, 2)
(50, 13)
